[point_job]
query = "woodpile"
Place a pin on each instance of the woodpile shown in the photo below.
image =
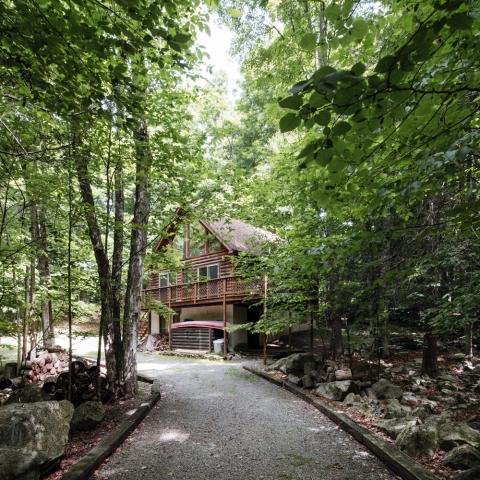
(45, 365)
(51, 371)
(154, 343)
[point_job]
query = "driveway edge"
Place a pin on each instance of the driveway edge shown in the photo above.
(86, 466)
(397, 461)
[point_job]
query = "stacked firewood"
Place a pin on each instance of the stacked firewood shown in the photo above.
(51, 372)
(85, 383)
(47, 364)
(158, 342)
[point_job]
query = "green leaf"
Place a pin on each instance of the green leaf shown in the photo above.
(323, 117)
(317, 100)
(460, 21)
(324, 156)
(359, 28)
(182, 38)
(301, 86)
(234, 12)
(340, 128)
(322, 72)
(289, 122)
(333, 12)
(308, 150)
(308, 41)
(385, 64)
(358, 69)
(293, 102)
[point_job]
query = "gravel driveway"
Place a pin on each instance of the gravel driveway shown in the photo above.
(217, 421)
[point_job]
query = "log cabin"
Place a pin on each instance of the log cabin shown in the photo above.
(205, 297)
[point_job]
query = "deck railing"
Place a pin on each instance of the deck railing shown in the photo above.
(209, 290)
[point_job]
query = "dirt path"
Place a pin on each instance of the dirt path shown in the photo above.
(217, 421)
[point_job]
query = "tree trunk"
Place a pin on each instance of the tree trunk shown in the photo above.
(469, 339)
(103, 265)
(138, 244)
(336, 340)
(430, 354)
(117, 261)
(48, 334)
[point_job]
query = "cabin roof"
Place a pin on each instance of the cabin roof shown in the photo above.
(240, 236)
(235, 235)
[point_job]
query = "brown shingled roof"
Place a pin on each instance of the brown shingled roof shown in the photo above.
(239, 236)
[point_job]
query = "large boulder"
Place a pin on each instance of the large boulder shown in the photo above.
(418, 439)
(32, 434)
(394, 409)
(296, 362)
(334, 390)
(463, 457)
(384, 390)
(87, 416)
(394, 426)
(454, 434)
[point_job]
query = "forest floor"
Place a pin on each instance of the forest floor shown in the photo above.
(218, 421)
(80, 443)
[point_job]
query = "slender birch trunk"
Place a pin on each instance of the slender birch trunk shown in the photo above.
(138, 244)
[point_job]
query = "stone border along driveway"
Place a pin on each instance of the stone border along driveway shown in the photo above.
(396, 460)
(86, 466)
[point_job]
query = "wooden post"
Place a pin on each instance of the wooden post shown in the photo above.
(265, 288)
(225, 349)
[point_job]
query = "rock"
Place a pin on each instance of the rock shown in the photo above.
(309, 368)
(463, 457)
(394, 409)
(334, 390)
(385, 390)
(352, 399)
(416, 439)
(459, 356)
(294, 379)
(343, 374)
(28, 394)
(295, 363)
(453, 434)
(318, 375)
(32, 435)
(394, 426)
(307, 381)
(372, 397)
(472, 474)
(156, 386)
(87, 416)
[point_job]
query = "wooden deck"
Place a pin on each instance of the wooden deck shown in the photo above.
(227, 289)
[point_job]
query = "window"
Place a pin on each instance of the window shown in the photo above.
(213, 245)
(210, 272)
(179, 244)
(187, 276)
(197, 240)
(167, 279)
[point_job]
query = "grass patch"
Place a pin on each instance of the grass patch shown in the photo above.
(299, 460)
(242, 374)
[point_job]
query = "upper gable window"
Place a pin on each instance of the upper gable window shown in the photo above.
(197, 239)
(213, 244)
(179, 244)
